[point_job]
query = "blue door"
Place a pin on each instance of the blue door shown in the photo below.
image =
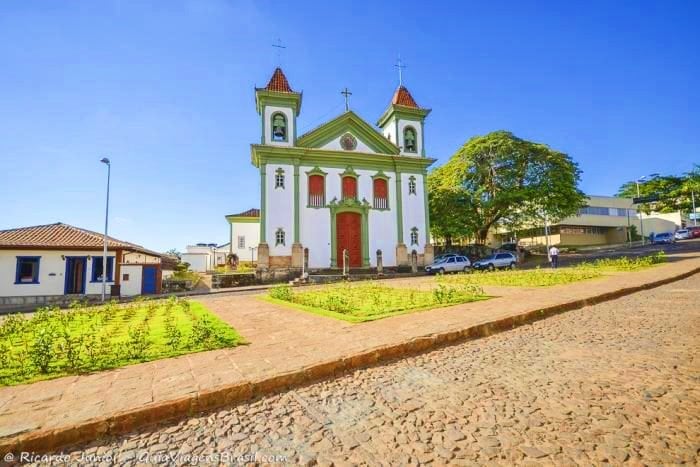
(150, 276)
(76, 272)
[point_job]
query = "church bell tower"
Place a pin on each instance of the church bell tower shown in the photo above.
(278, 106)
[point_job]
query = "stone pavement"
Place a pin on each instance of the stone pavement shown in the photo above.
(287, 347)
(605, 384)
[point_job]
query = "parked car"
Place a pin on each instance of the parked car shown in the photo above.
(682, 234)
(694, 231)
(666, 237)
(441, 257)
(496, 261)
(449, 264)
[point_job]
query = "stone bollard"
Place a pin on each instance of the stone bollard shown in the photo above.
(414, 261)
(380, 264)
(346, 263)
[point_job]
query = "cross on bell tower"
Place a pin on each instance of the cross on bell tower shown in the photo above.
(345, 92)
(400, 65)
(278, 45)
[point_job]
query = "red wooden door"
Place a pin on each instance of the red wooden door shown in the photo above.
(349, 237)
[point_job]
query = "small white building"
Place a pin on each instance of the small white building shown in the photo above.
(204, 257)
(44, 263)
(245, 235)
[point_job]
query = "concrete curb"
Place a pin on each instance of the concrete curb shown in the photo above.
(121, 423)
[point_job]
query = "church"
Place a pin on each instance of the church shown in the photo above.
(346, 185)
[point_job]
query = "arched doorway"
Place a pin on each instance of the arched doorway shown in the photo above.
(349, 237)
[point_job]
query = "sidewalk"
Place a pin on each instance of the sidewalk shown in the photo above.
(288, 347)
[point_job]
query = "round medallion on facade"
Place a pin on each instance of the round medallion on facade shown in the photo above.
(348, 142)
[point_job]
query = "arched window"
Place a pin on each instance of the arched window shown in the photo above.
(279, 237)
(381, 194)
(414, 236)
(411, 185)
(317, 191)
(279, 127)
(409, 140)
(349, 187)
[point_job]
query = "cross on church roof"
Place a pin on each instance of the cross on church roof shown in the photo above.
(279, 48)
(400, 66)
(347, 95)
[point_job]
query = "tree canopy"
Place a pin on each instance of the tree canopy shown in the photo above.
(674, 192)
(501, 179)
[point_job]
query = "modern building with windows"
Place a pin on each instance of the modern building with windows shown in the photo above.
(44, 263)
(605, 220)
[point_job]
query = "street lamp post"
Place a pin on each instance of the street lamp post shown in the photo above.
(641, 214)
(695, 213)
(104, 160)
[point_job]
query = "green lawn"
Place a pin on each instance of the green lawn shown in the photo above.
(368, 301)
(547, 277)
(54, 343)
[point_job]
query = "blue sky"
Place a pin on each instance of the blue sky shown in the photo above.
(165, 89)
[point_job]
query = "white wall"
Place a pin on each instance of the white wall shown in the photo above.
(389, 131)
(315, 224)
(251, 232)
(413, 212)
(52, 269)
(200, 262)
(279, 209)
(132, 286)
(289, 113)
(334, 145)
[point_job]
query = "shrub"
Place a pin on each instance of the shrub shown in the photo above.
(42, 352)
(202, 331)
(173, 335)
(282, 292)
(137, 341)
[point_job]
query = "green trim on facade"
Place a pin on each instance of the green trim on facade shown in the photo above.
(297, 214)
(315, 171)
(348, 122)
(350, 205)
(278, 172)
(427, 210)
(265, 98)
(263, 154)
(422, 138)
(286, 127)
(383, 176)
(412, 188)
(399, 210)
(263, 198)
(401, 112)
(242, 220)
(349, 172)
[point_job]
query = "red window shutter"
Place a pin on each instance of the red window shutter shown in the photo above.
(380, 189)
(316, 185)
(349, 187)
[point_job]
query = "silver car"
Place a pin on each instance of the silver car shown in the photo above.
(497, 261)
(682, 234)
(449, 264)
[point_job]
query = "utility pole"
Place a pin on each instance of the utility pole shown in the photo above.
(695, 213)
(106, 161)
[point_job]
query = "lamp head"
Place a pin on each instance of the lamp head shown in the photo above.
(104, 160)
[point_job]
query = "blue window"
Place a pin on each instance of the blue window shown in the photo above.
(97, 268)
(27, 270)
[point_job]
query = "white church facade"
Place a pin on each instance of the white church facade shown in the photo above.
(343, 186)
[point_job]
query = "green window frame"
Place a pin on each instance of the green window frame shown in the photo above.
(411, 185)
(377, 203)
(414, 236)
(279, 178)
(406, 130)
(276, 119)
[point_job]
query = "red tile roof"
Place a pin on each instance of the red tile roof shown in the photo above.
(62, 236)
(278, 82)
(403, 97)
(249, 213)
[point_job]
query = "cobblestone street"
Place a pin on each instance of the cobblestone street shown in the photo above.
(615, 382)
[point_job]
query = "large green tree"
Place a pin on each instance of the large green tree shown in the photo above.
(674, 192)
(501, 179)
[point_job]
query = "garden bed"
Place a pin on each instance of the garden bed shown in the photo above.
(548, 277)
(369, 301)
(53, 343)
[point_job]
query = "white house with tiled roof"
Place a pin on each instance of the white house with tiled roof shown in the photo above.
(345, 186)
(41, 263)
(244, 229)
